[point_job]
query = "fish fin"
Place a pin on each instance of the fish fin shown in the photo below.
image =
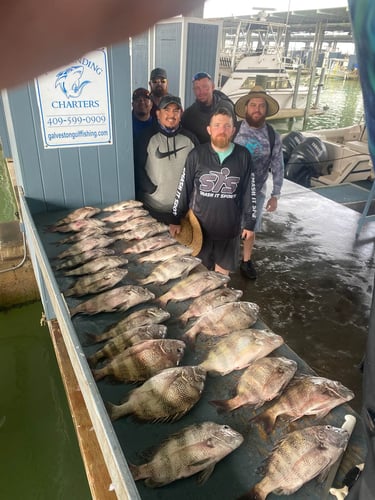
(206, 473)
(189, 339)
(221, 405)
(114, 411)
(266, 419)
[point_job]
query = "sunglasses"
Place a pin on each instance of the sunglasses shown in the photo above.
(159, 80)
(200, 75)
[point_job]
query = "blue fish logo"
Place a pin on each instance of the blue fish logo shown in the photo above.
(69, 81)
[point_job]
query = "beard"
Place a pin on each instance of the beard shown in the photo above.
(221, 141)
(256, 122)
(158, 91)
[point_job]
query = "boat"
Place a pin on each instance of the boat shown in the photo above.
(328, 157)
(263, 65)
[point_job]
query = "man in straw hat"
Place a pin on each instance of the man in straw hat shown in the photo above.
(264, 144)
(217, 184)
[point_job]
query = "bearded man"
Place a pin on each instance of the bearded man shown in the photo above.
(265, 147)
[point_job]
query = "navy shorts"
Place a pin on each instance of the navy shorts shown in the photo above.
(225, 253)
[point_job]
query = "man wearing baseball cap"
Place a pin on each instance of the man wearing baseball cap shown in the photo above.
(159, 158)
(159, 87)
(141, 114)
(264, 144)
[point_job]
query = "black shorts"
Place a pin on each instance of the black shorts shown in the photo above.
(225, 253)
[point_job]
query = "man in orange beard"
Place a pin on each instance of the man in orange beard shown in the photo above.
(218, 185)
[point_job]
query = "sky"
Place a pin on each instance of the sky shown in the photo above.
(225, 8)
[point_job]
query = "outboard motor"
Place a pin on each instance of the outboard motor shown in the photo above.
(290, 142)
(305, 161)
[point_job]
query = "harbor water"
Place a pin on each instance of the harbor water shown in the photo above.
(39, 453)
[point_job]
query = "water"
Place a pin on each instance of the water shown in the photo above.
(8, 205)
(343, 103)
(39, 453)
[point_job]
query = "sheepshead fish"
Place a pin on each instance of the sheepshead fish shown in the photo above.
(166, 253)
(194, 449)
(224, 319)
(176, 267)
(146, 316)
(143, 360)
(262, 381)
(305, 395)
(75, 226)
(118, 299)
(85, 245)
(127, 339)
(153, 243)
(209, 301)
(99, 264)
(194, 285)
(123, 205)
(167, 396)
(238, 349)
(144, 231)
(96, 282)
(125, 214)
(81, 259)
(78, 214)
(86, 233)
(299, 457)
(133, 223)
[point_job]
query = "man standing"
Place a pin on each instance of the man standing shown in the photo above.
(264, 144)
(197, 116)
(159, 87)
(159, 158)
(218, 185)
(141, 116)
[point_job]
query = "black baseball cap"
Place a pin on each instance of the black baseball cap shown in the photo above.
(158, 73)
(201, 75)
(169, 99)
(141, 92)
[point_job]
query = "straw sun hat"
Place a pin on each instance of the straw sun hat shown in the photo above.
(191, 233)
(256, 91)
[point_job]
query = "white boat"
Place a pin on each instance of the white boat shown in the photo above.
(328, 157)
(265, 69)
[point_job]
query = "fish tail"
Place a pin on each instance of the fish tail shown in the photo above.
(69, 292)
(92, 360)
(114, 411)
(98, 374)
(189, 339)
(266, 419)
(135, 471)
(221, 405)
(254, 494)
(162, 300)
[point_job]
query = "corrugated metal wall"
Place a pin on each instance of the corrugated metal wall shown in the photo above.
(68, 178)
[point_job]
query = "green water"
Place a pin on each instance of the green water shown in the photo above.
(8, 206)
(39, 453)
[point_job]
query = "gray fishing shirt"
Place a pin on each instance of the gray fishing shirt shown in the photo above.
(257, 141)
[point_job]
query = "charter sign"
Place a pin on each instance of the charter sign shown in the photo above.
(74, 103)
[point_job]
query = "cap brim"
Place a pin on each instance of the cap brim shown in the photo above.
(191, 233)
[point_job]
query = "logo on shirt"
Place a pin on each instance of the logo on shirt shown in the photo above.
(161, 155)
(219, 184)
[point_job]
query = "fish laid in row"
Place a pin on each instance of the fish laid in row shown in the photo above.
(86, 233)
(132, 223)
(127, 339)
(305, 395)
(262, 381)
(117, 299)
(299, 457)
(238, 349)
(176, 267)
(143, 360)
(80, 259)
(144, 231)
(193, 286)
(123, 205)
(82, 246)
(76, 215)
(163, 254)
(209, 301)
(224, 319)
(194, 449)
(99, 264)
(75, 226)
(96, 282)
(153, 243)
(125, 215)
(167, 396)
(142, 317)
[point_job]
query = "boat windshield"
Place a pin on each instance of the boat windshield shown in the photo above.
(276, 83)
